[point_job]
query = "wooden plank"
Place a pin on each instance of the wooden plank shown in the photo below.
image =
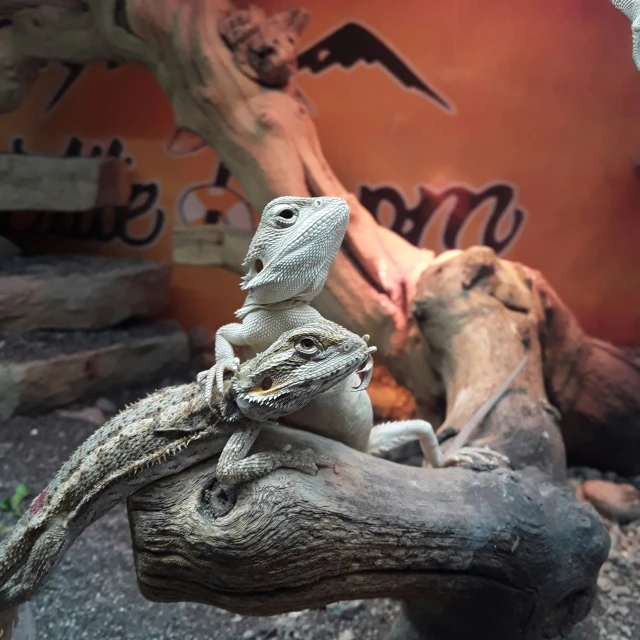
(211, 244)
(47, 183)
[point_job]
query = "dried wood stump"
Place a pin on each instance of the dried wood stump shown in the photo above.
(480, 314)
(504, 551)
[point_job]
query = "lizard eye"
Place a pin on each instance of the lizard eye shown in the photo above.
(308, 346)
(285, 217)
(266, 383)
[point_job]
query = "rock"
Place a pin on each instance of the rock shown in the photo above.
(8, 249)
(88, 414)
(346, 609)
(584, 473)
(79, 292)
(43, 370)
(106, 406)
(347, 634)
(617, 502)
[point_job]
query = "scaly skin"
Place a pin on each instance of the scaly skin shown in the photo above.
(631, 9)
(171, 430)
(289, 260)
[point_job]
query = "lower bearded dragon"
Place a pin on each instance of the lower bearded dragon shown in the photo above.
(171, 430)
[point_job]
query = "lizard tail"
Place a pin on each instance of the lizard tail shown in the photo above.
(30, 561)
(15, 550)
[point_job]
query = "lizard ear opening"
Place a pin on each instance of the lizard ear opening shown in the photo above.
(258, 265)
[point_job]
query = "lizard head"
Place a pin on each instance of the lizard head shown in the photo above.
(293, 247)
(300, 365)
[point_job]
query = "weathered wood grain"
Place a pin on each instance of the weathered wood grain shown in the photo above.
(507, 550)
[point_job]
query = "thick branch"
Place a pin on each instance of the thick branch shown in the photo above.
(464, 543)
(595, 385)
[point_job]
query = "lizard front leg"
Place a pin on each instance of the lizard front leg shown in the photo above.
(389, 435)
(227, 337)
(234, 468)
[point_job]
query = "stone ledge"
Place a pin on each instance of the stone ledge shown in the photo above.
(79, 292)
(46, 369)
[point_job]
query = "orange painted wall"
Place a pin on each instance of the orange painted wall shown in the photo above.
(546, 103)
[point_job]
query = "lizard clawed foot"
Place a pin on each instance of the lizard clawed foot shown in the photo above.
(477, 459)
(306, 460)
(215, 377)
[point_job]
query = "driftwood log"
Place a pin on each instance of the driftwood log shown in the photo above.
(506, 552)
(449, 328)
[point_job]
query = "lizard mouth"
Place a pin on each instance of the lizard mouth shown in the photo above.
(366, 371)
(362, 364)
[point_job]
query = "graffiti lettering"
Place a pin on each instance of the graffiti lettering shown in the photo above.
(464, 201)
(99, 225)
(412, 223)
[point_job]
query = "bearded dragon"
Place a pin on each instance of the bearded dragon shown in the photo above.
(288, 263)
(171, 430)
(631, 9)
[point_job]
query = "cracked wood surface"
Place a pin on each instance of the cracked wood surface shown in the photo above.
(371, 529)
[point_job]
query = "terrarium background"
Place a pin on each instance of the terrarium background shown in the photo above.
(547, 101)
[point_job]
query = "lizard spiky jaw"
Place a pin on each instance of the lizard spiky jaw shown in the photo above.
(302, 364)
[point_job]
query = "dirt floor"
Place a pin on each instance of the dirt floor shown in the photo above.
(93, 593)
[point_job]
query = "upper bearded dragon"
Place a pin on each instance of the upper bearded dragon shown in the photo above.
(288, 263)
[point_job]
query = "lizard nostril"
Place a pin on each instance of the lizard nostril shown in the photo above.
(266, 384)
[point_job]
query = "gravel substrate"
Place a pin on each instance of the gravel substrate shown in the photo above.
(93, 593)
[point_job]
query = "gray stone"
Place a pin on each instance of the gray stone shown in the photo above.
(618, 502)
(8, 249)
(106, 406)
(92, 415)
(44, 370)
(79, 292)
(345, 609)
